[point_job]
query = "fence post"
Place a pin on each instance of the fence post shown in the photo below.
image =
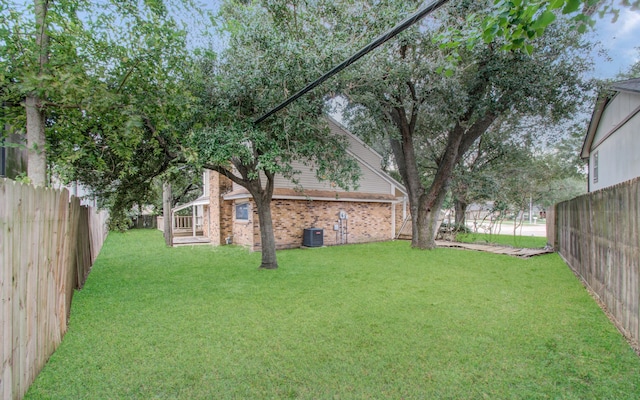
(552, 237)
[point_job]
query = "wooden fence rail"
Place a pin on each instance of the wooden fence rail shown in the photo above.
(48, 243)
(598, 234)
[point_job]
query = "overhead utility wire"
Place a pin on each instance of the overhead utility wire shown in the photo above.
(412, 19)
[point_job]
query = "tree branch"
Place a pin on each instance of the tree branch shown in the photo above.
(226, 172)
(161, 141)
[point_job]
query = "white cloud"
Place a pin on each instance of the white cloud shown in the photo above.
(633, 55)
(629, 23)
(620, 40)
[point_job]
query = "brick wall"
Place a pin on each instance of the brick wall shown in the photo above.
(206, 217)
(244, 232)
(366, 222)
(217, 215)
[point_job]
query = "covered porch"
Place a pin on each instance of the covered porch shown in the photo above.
(189, 229)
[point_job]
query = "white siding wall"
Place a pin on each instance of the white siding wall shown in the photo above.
(619, 154)
(359, 148)
(369, 182)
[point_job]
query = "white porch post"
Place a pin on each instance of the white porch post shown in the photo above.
(393, 220)
(404, 208)
(193, 220)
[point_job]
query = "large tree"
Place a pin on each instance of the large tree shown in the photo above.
(271, 53)
(431, 115)
(133, 132)
(473, 179)
(32, 82)
(112, 90)
(78, 74)
(546, 153)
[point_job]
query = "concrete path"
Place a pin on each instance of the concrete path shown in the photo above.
(190, 240)
(522, 253)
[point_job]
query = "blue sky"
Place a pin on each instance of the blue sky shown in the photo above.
(621, 39)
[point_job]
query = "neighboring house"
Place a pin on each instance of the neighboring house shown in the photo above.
(373, 212)
(612, 144)
(13, 163)
(13, 156)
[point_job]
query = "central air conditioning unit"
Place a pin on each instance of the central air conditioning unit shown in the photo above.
(313, 237)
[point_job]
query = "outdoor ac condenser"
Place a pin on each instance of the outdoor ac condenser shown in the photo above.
(313, 237)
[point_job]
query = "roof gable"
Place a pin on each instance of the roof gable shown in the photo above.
(605, 99)
(630, 85)
(364, 154)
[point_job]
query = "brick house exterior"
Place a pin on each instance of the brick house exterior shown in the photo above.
(375, 212)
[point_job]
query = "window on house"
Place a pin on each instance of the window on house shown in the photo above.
(595, 167)
(242, 212)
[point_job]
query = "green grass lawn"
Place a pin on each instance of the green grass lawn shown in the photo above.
(532, 242)
(350, 322)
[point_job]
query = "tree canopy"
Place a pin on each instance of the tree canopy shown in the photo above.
(118, 97)
(112, 93)
(432, 119)
(270, 53)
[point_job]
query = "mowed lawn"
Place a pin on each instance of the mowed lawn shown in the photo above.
(352, 322)
(530, 242)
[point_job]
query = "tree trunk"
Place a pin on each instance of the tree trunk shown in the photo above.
(166, 213)
(262, 197)
(428, 217)
(404, 154)
(267, 239)
(37, 159)
(36, 156)
(427, 222)
(461, 212)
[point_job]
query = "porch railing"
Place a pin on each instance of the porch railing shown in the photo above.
(187, 222)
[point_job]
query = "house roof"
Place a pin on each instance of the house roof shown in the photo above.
(375, 168)
(630, 85)
(200, 201)
(604, 98)
(324, 195)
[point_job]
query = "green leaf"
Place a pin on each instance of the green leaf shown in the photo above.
(490, 33)
(571, 6)
(555, 4)
(528, 49)
(546, 18)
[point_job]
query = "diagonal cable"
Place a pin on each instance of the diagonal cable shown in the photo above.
(407, 22)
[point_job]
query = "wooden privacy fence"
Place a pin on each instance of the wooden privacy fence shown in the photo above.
(48, 243)
(598, 234)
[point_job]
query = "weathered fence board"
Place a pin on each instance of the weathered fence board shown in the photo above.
(47, 245)
(598, 235)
